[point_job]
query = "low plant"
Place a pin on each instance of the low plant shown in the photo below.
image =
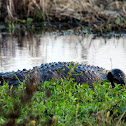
(63, 102)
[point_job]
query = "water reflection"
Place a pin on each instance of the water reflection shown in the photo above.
(25, 50)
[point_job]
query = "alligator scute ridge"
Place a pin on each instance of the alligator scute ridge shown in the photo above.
(44, 72)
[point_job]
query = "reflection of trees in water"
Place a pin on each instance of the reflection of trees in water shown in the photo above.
(84, 51)
(29, 41)
(92, 46)
(21, 40)
(99, 42)
(30, 45)
(20, 45)
(86, 42)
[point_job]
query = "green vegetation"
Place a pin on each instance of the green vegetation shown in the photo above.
(63, 102)
(95, 15)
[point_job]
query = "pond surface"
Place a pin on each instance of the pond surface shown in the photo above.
(26, 50)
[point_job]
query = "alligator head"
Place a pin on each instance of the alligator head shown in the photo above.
(116, 76)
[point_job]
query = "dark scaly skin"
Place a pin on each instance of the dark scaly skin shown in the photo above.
(45, 72)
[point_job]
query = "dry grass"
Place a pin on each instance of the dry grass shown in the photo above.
(91, 11)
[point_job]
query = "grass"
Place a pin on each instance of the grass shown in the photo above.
(63, 102)
(101, 16)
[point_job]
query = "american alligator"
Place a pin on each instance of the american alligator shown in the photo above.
(40, 74)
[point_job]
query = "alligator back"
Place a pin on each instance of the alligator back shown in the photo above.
(40, 74)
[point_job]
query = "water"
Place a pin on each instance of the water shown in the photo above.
(26, 50)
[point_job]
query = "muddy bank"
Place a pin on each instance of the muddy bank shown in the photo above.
(95, 16)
